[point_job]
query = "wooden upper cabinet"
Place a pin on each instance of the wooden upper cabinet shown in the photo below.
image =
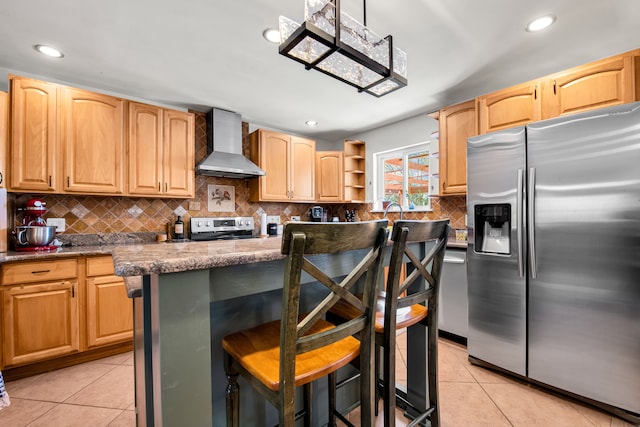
(93, 131)
(457, 123)
(145, 149)
(289, 163)
(329, 176)
(4, 136)
(302, 169)
(179, 153)
(161, 151)
(33, 135)
(603, 83)
(270, 151)
(514, 106)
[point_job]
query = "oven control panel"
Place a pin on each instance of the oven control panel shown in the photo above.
(215, 224)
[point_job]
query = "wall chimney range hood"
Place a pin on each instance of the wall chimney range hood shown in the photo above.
(224, 148)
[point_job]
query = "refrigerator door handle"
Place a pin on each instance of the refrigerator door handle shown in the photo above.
(531, 196)
(520, 220)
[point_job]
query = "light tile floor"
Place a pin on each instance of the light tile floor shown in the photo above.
(101, 393)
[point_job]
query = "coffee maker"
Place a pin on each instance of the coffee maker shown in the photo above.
(317, 214)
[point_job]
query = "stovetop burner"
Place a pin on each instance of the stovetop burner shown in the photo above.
(221, 228)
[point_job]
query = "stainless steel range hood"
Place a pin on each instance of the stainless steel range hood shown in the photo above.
(224, 148)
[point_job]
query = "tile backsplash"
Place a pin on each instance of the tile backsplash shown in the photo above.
(98, 214)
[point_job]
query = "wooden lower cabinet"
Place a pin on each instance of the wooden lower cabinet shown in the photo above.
(61, 307)
(109, 310)
(40, 321)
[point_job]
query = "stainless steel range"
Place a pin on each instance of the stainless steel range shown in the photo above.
(221, 228)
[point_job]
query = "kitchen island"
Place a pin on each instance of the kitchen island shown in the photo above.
(193, 294)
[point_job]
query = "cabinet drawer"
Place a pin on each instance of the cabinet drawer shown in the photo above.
(42, 271)
(100, 266)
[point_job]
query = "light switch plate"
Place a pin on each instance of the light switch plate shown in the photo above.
(273, 219)
(59, 223)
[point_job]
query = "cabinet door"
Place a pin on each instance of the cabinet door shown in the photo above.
(179, 157)
(4, 136)
(145, 149)
(93, 133)
(329, 176)
(517, 105)
(33, 135)
(302, 169)
(457, 123)
(40, 321)
(597, 85)
(273, 153)
(109, 311)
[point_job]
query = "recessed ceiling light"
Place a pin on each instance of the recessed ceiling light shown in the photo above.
(48, 50)
(311, 123)
(271, 35)
(540, 23)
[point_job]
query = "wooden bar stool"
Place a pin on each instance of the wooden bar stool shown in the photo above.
(406, 302)
(278, 356)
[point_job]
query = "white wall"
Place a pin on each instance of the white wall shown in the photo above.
(405, 132)
(321, 145)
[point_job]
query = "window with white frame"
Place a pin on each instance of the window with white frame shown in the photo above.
(402, 176)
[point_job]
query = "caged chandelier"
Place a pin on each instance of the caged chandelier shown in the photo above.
(335, 44)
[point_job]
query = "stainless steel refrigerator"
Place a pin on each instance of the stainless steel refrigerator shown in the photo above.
(554, 254)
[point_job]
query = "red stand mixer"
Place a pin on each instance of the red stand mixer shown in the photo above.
(33, 212)
(34, 234)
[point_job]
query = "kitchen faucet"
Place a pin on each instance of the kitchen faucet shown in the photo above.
(392, 204)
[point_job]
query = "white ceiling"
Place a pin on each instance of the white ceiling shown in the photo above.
(205, 53)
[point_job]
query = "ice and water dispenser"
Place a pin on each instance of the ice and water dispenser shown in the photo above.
(493, 225)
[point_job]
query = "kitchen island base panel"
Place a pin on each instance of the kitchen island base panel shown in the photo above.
(180, 348)
(185, 382)
(180, 321)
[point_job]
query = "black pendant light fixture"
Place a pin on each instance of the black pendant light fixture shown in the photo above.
(336, 44)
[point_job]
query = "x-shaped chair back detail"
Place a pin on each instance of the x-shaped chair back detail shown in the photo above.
(407, 292)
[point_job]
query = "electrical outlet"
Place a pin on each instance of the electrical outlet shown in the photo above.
(295, 218)
(59, 223)
(273, 219)
(194, 206)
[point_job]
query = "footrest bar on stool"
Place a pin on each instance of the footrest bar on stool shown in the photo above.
(344, 420)
(417, 420)
(403, 402)
(347, 380)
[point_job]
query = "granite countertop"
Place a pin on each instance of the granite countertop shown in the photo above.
(63, 251)
(134, 257)
(159, 258)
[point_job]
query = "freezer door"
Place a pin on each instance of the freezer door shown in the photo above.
(584, 316)
(495, 272)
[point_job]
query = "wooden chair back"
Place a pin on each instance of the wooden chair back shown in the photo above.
(407, 292)
(301, 241)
